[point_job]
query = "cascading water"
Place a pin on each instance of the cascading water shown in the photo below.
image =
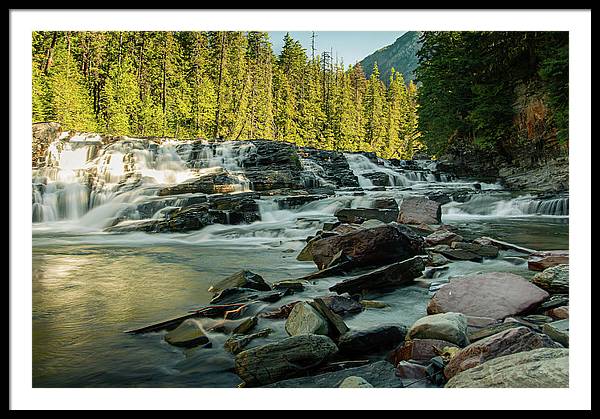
(314, 174)
(502, 205)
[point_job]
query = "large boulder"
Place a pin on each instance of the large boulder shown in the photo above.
(539, 368)
(241, 279)
(495, 295)
(305, 320)
(389, 276)
(508, 342)
(290, 357)
(388, 243)
(451, 327)
(359, 215)
(377, 339)
(417, 210)
(555, 279)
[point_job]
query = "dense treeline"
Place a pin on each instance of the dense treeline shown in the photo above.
(218, 85)
(471, 81)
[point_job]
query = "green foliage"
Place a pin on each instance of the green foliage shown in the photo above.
(218, 84)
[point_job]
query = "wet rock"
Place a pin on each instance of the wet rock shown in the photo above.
(385, 203)
(439, 197)
(342, 305)
(435, 272)
(246, 326)
(540, 261)
(359, 215)
(333, 164)
(435, 259)
(42, 134)
(555, 279)
(442, 236)
(389, 243)
(290, 357)
(558, 313)
(289, 285)
(378, 178)
(372, 224)
(355, 382)
(486, 251)
(377, 339)
(413, 375)
(305, 320)
(241, 295)
(539, 368)
(237, 343)
(538, 319)
(558, 331)
(293, 202)
(336, 325)
(514, 340)
(417, 210)
(451, 327)
(419, 350)
(330, 226)
(379, 374)
(456, 254)
(492, 294)
(389, 276)
(241, 279)
(187, 335)
(484, 332)
(220, 181)
(282, 312)
(555, 300)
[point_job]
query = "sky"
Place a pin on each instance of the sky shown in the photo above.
(349, 46)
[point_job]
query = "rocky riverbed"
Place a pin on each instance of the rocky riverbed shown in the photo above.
(256, 263)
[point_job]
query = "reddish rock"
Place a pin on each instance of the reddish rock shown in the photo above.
(542, 260)
(520, 339)
(281, 313)
(558, 313)
(412, 370)
(492, 294)
(379, 245)
(442, 237)
(419, 350)
(417, 210)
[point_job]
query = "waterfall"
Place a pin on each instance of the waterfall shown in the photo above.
(314, 174)
(501, 205)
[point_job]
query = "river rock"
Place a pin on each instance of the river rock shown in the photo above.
(359, 215)
(555, 300)
(419, 350)
(558, 331)
(389, 276)
(219, 181)
(237, 343)
(246, 326)
(380, 374)
(342, 305)
(385, 203)
(442, 236)
(282, 312)
(187, 335)
(336, 325)
(451, 327)
(290, 357)
(542, 260)
(389, 243)
(555, 279)
(558, 313)
(372, 224)
(413, 374)
(539, 368)
(484, 332)
(436, 260)
(241, 279)
(305, 320)
(486, 251)
(373, 304)
(296, 201)
(377, 339)
(417, 210)
(508, 342)
(492, 294)
(355, 382)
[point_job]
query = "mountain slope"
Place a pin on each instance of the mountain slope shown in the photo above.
(401, 55)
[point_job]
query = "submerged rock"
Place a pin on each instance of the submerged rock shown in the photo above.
(187, 335)
(508, 342)
(270, 363)
(451, 327)
(539, 368)
(495, 295)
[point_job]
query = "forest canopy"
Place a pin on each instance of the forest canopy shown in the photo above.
(226, 85)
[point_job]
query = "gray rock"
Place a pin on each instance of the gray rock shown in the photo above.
(241, 279)
(487, 251)
(417, 210)
(290, 357)
(377, 339)
(237, 343)
(451, 327)
(379, 374)
(558, 331)
(304, 320)
(187, 335)
(442, 236)
(539, 368)
(355, 382)
(359, 215)
(555, 279)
